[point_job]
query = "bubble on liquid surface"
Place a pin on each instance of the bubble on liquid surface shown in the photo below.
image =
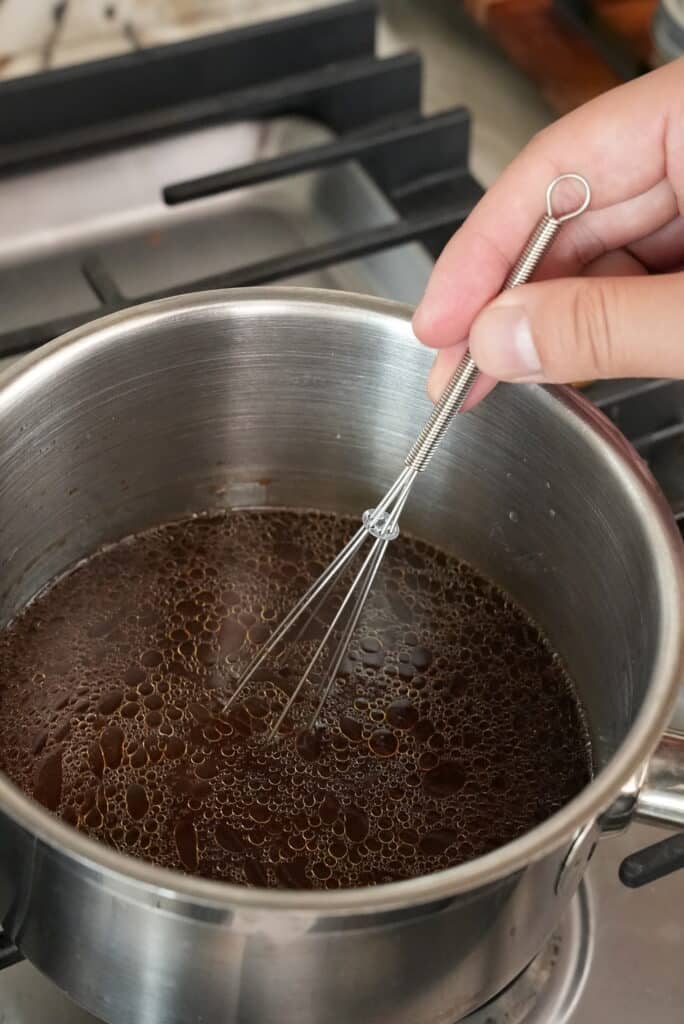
(452, 729)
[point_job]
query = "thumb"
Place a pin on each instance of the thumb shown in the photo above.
(584, 329)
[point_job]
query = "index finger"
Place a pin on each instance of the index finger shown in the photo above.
(618, 142)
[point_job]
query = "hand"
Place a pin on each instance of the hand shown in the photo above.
(616, 306)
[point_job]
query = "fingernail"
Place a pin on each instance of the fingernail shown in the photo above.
(433, 313)
(422, 319)
(502, 345)
(434, 382)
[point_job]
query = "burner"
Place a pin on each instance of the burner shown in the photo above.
(552, 985)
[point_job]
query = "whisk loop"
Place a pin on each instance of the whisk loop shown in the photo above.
(380, 525)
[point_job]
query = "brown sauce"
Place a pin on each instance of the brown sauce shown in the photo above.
(452, 730)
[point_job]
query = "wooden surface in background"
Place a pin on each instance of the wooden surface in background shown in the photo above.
(559, 57)
(629, 20)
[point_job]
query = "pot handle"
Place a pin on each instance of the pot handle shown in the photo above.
(659, 801)
(653, 862)
(661, 798)
(9, 954)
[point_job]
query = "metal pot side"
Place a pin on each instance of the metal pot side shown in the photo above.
(286, 397)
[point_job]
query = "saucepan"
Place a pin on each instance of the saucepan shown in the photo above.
(284, 397)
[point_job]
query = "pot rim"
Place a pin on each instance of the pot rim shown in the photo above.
(662, 537)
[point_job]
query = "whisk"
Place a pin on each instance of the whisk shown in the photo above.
(381, 524)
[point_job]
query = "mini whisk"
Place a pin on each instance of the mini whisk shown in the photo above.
(381, 524)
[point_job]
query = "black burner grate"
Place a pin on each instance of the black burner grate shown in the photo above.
(320, 65)
(651, 414)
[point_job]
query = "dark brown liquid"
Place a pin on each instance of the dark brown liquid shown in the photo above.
(452, 730)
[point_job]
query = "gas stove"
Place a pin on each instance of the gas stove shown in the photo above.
(188, 167)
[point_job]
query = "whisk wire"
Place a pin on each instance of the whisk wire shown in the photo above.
(311, 594)
(366, 576)
(319, 586)
(374, 561)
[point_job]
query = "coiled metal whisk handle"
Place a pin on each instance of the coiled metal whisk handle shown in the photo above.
(459, 387)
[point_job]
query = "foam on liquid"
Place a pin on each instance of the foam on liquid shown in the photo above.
(452, 730)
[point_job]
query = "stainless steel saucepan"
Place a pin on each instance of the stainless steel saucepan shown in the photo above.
(278, 397)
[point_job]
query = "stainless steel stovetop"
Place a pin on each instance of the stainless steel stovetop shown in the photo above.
(617, 955)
